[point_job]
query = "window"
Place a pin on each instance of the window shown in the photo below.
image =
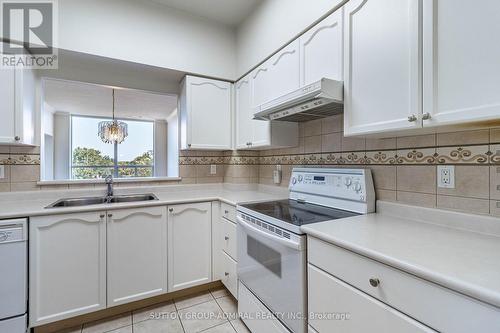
(92, 158)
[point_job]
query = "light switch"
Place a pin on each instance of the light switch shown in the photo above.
(446, 176)
(213, 169)
(2, 171)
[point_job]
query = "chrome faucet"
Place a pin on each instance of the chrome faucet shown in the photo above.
(109, 183)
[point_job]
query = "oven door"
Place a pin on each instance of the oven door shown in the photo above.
(273, 268)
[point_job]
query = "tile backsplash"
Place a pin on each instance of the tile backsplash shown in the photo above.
(404, 168)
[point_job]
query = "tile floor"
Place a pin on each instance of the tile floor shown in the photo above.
(213, 311)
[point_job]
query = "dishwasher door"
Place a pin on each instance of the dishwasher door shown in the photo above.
(13, 268)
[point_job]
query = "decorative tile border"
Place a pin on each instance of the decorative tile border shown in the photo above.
(468, 155)
(20, 159)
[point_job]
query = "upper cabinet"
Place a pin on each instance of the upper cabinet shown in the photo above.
(321, 51)
(205, 114)
(461, 61)
(17, 107)
(253, 134)
(405, 70)
(277, 76)
(382, 66)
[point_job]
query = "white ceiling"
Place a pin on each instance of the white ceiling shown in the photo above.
(229, 12)
(96, 100)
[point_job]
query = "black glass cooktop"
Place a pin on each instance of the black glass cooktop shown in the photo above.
(298, 213)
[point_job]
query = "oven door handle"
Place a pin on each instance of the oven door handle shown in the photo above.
(288, 243)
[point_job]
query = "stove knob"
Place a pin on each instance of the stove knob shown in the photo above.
(357, 187)
(294, 181)
(348, 182)
(300, 178)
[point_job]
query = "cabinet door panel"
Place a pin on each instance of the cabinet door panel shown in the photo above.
(137, 254)
(461, 61)
(277, 76)
(208, 104)
(7, 105)
(67, 266)
(189, 245)
(381, 53)
(321, 50)
(244, 114)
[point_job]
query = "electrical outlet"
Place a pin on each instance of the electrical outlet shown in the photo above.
(2, 171)
(213, 169)
(446, 176)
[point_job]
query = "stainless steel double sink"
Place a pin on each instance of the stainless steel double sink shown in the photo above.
(87, 201)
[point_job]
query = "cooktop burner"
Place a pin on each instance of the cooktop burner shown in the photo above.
(297, 213)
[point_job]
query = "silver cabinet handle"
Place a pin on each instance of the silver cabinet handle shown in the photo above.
(226, 212)
(17, 138)
(226, 238)
(374, 282)
(412, 118)
(102, 216)
(226, 274)
(110, 215)
(170, 210)
(426, 116)
(189, 145)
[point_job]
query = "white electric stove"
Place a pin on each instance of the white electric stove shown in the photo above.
(272, 248)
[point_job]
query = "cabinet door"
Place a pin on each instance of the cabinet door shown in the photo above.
(67, 266)
(7, 105)
(381, 73)
(366, 314)
(208, 104)
(244, 114)
(250, 133)
(321, 50)
(461, 61)
(137, 254)
(189, 245)
(277, 76)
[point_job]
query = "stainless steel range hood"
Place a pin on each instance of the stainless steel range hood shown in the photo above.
(318, 100)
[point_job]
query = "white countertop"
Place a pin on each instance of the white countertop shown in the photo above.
(458, 251)
(26, 204)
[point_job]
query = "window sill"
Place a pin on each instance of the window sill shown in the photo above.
(101, 181)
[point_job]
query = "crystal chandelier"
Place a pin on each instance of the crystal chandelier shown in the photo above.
(113, 131)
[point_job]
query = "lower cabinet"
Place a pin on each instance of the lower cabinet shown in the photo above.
(189, 245)
(67, 266)
(351, 310)
(229, 274)
(137, 254)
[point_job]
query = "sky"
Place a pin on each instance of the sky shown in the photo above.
(139, 140)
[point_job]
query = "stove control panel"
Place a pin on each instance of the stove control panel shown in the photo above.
(342, 184)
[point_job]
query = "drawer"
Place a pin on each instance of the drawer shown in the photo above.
(450, 311)
(227, 211)
(228, 237)
(351, 310)
(229, 275)
(255, 315)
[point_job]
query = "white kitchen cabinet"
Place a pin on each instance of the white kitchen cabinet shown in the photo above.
(461, 61)
(229, 274)
(382, 84)
(321, 50)
(17, 107)
(259, 134)
(277, 76)
(366, 314)
(205, 114)
(67, 266)
(137, 254)
(189, 245)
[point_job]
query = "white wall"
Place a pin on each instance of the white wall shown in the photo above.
(160, 148)
(272, 25)
(148, 33)
(62, 145)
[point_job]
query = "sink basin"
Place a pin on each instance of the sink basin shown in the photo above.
(133, 198)
(75, 202)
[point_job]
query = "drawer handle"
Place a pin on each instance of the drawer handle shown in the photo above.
(374, 282)
(226, 212)
(226, 274)
(226, 238)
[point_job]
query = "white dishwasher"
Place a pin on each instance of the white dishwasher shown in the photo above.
(13, 275)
